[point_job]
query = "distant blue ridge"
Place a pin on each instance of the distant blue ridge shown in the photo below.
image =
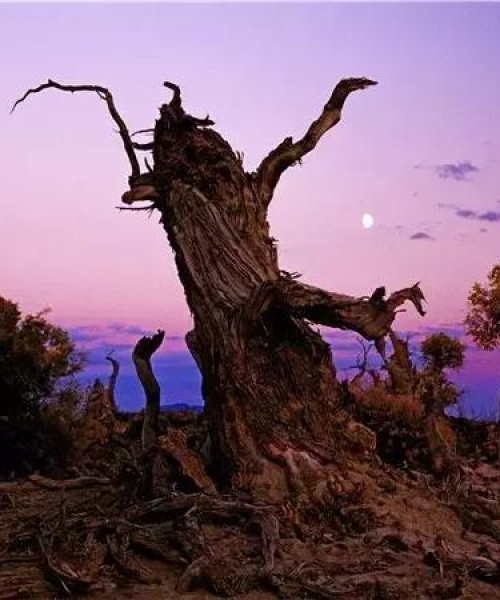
(181, 406)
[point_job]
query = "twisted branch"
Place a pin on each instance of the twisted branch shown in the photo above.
(174, 107)
(371, 317)
(115, 370)
(289, 152)
(143, 351)
(105, 95)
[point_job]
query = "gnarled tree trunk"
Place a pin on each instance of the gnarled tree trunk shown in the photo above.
(268, 379)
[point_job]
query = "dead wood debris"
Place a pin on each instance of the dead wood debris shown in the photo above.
(72, 544)
(82, 535)
(76, 533)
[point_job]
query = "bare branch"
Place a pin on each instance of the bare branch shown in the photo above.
(115, 370)
(371, 317)
(143, 147)
(362, 363)
(143, 351)
(289, 152)
(175, 109)
(176, 101)
(105, 95)
(149, 208)
(140, 131)
(206, 122)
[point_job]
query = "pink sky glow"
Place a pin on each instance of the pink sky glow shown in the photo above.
(415, 152)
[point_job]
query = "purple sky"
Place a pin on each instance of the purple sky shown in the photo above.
(419, 152)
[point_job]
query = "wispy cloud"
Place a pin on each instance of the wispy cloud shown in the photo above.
(127, 329)
(455, 330)
(459, 171)
(466, 214)
(490, 216)
(421, 235)
(83, 334)
(121, 337)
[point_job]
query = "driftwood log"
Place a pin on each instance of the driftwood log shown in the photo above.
(269, 382)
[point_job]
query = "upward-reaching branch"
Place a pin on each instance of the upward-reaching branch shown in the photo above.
(143, 351)
(105, 95)
(115, 370)
(176, 102)
(289, 152)
(176, 111)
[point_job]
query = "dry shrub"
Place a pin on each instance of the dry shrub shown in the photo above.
(446, 433)
(98, 418)
(406, 409)
(58, 426)
(398, 422)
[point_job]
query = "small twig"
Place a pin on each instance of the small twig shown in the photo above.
(143, 147)
(151, 207)
(139, 131)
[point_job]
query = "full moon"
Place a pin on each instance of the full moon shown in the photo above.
(367, 221)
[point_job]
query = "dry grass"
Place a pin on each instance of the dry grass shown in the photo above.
(379, 402)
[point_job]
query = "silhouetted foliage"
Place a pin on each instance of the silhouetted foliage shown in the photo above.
(440, 352)
(483, 319)
(37, 363)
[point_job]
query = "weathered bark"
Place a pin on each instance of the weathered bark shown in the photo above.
(432, 395)
(269, 383)
(143, 351)
(115, 371)
(99, 420)
(400, 367)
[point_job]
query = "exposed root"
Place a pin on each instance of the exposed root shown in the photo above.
(127, 564)
(68, 579)
(174, 445)
(348, 538)
(69, 484)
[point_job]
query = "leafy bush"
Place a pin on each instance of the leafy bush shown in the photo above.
(483, 318)
(440, 352)
(37, 364)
